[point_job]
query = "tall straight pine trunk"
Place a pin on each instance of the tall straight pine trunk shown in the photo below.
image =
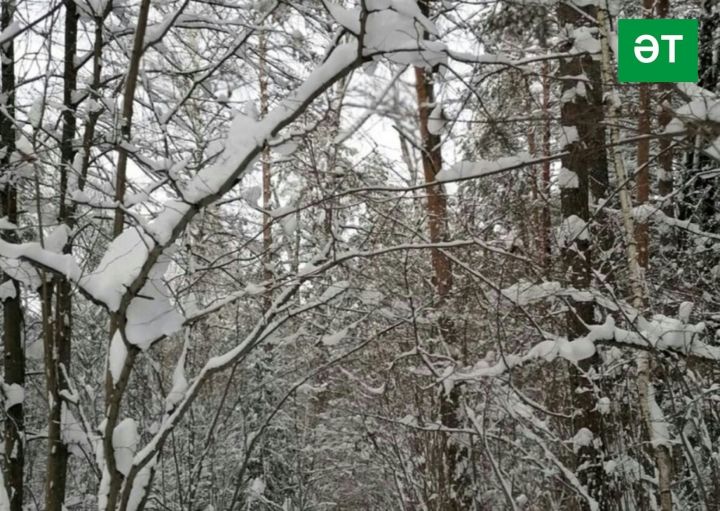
(451, 483)
(453, 487)
(585, 169)
(14, 363)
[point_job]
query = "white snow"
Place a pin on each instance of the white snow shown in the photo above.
(179, 383)
(568, 135)
(4, 500)
(125, 440)
(665, 332)
(567, 178)
(436, 121)
(140, 484)
(151, 314)
(119, 267)
(6, 225)
(469, 169)
(14, 395)
(257, 488)
(334, 290)
(393, 25)
(525, 293)
(585, 39)
(116, 357)
(334, 338)
(20, 270)
(35, 113)
(582, 438)
(571, 229)
(7, 290)
(603, 405)
(659, 430)
(578, 349)
(12, 30)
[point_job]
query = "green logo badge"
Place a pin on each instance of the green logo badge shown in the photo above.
(657, 50)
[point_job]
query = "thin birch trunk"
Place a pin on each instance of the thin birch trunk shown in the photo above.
(651, 413)
(266, 174)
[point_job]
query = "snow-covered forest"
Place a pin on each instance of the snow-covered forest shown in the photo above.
(355, 255)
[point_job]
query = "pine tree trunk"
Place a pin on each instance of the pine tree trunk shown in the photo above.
(452, 487)
(14, 362)
(581, 114)
(704, 192)
(454, 491)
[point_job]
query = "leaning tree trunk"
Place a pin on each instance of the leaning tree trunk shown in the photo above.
(114, 391)
(585, 170)
(14, 363)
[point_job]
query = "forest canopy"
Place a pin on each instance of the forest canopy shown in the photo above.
(356, 255)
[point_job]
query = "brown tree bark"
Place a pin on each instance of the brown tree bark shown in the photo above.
(58, 338)
(453, 486)
(703, 193)
(127, 113)
(114, 391)
(14, 362)
(582, 114)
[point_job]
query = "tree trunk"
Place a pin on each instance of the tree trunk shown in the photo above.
(57, 353)
(545, 221)
(266, 174)
(582, 120)
(453, 488)
(665, 157)
(114, 391)
(14, 363)
(703, 193)
(634, 247)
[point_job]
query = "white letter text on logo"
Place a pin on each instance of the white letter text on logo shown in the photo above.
(640, 51)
